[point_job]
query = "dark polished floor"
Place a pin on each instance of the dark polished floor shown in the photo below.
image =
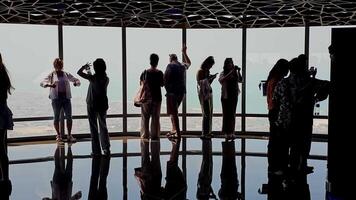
(154, 170)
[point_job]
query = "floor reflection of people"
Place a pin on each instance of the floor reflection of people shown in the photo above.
(99, 173)
(149, 175)
(205, 190)
(229, 179)
(176, 185)
(62, 183)
(293, 188)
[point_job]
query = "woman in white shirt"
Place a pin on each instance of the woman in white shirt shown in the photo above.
(58, 82)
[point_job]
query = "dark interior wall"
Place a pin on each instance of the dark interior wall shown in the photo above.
(342, 108)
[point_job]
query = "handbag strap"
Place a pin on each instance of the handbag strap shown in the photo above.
(145, 75)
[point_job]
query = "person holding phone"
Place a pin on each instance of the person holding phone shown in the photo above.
(205, 93)
(229, 79)
(59, 83)
(97, 105)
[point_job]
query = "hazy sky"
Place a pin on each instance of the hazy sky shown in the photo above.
(29, 50)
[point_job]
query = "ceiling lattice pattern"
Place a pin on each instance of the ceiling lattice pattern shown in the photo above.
(177, 13)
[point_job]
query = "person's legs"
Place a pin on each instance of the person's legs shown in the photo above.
(67, 106)
(173, 102)
(56, 111)
(178, 100)
(145, 118)
(306, 145)
(225, 111)
(232, 114)
(171, 109)
(206, 106)
(104, 134)
(155, 124)
(4, 160)
(92, 117)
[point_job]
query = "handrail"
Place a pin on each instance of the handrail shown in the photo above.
(135, 134)
(134, 154)
(26, 119)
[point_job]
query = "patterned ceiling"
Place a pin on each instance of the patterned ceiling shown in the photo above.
(178, 13)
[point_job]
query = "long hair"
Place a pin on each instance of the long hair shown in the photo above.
(5, 82)
(208, 62)
(100, 67)
(226, 62)
(280, 69)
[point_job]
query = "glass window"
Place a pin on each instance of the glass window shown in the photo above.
(85, 44)
(265, 46)
(320, 40)
(220, 43)
(28, 52)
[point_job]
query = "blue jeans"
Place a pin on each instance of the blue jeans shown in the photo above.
(62, 103)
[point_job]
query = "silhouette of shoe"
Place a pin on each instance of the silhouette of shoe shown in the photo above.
(59, 139)
(206, 136)
(308, 170)
(107, 152)
(172, 135)
(95, 154)
(230, 137)
(71, 139)
(144, 136)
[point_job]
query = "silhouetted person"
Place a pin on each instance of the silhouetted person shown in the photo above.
(229, 178)
(62, 183)
(205, 190)
(277, 144)
(60, 94)
(174, 82)
(296, 96)
(152, 108)
(176, 185)
(97, 105)
(149, 175)
(99, 172)
(205, 93)
(6, 123)
(229, 79)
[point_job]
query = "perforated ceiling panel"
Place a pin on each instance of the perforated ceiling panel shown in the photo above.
(174, 14)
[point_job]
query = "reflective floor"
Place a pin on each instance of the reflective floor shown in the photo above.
(152, 170)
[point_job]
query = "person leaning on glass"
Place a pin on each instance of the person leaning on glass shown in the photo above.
(60, 94)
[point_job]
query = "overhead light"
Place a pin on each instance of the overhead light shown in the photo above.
(36, 14)
(99, 18)
(74, 11)
(242, 16)
(210, 19)
(228, 16)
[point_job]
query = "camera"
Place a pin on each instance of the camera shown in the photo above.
(237, 67)
(312, 71)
